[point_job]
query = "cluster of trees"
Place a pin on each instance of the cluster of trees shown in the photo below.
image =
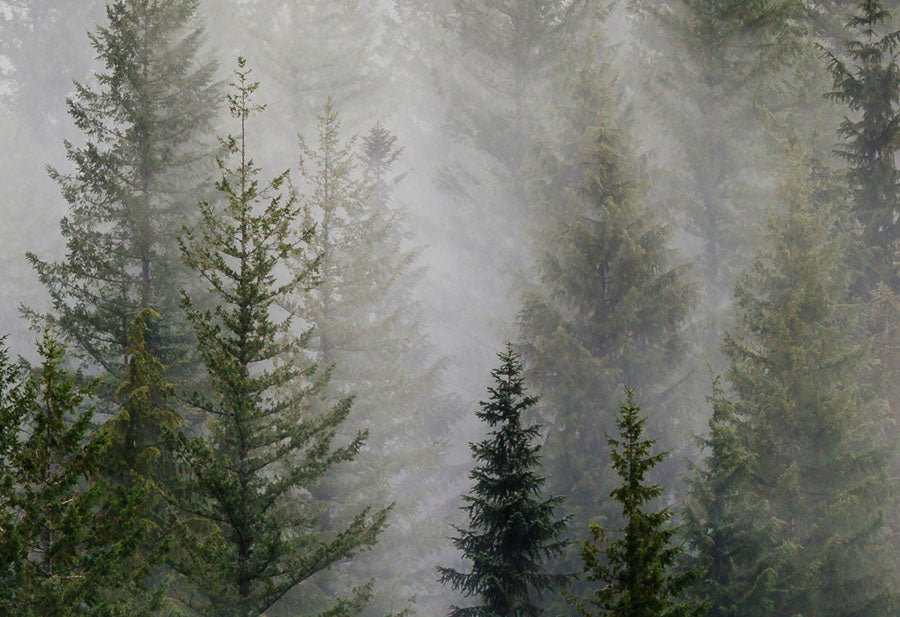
(236, 410)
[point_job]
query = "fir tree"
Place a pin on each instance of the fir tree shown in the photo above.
(69, 538)
(789, 515)
(250, 534)
(635, 573)
(367, 325)
(512, 528)
(868, 83)
(128, 197)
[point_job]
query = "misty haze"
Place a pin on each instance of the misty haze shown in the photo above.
(460, 308)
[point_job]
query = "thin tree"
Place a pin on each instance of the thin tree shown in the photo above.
(636, 574)
(249, 534)
(513, 529)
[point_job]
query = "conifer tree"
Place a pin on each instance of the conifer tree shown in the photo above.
(635, 572)
(130, 193)
(868, 83)
(712, 72)
(789, 515)
(512, 528)
(250, 533)
(367, 325)
(609, 308)
(139, 446)
(69, 538)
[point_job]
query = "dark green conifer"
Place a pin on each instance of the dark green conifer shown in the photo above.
(868, 83)
(69, 539)
(250, 533)
(512, 528)
(635, 573)
(610, 306)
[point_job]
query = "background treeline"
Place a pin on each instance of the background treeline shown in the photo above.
(259, 256)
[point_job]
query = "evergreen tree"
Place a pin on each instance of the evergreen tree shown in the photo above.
(609, 308)
(310, 50)
(868, 83)
(367, 325)
(635, 573)
(69, 537)
(512, 528)
(714, 69)
(789, 515)
(250, 534)
(139, 448)
(129, 195)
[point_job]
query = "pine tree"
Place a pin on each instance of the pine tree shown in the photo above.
(69, 539)
(789, 515)
(868, 83)
(610, 305)
(310, 50)
(636, 572)
(367, 324)
(512, 528)
(250, 533)
(129, 195)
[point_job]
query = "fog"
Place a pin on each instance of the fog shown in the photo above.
(696, 201)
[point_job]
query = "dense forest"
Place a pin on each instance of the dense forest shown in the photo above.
(475, 308)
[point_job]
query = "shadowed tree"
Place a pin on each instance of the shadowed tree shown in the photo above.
(512, 528)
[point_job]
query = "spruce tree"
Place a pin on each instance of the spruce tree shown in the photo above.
(788, 516)
(636, 572)
(69, 538)
(130, 192)
(250, 534)
(868, 83)
(367, 325)
(512, 528)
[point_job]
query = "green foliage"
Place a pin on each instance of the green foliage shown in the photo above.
(610, 307)
(635, 572)
(512, 528)
(367, 329)
(713, 74)
(69, 538)
(138, 448)
(788, 516)
(868, 83)
(250, 534)
(127, 198)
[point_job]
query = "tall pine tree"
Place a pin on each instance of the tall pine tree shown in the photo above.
(513, 528)
(367, 325)
(250, 533)
(868, 83)
(609, 308)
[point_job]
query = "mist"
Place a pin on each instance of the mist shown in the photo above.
(449, 307)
